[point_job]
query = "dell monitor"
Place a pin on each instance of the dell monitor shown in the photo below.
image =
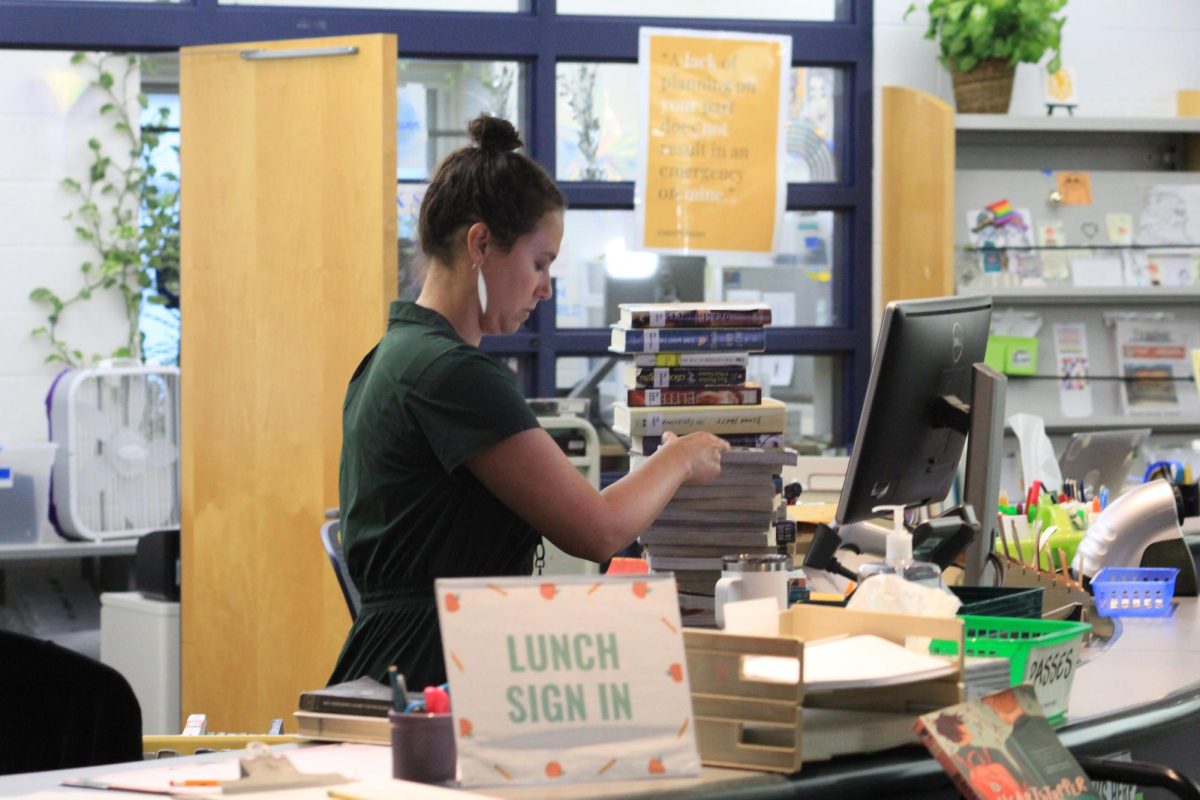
(927, 391)
(916, 416)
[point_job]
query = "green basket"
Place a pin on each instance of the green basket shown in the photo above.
(999, 601)
(1020, 640)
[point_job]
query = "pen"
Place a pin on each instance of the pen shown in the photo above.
(197, 782)
(399, 689)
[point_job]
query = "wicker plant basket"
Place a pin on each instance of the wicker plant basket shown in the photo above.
(987, 89)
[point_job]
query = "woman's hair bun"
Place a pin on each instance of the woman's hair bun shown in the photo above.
(494, 134)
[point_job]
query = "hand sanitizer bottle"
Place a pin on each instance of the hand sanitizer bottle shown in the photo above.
(898, 559)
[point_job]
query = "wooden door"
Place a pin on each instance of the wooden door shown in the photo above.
(288, 263)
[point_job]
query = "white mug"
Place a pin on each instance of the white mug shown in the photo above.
(749, 576)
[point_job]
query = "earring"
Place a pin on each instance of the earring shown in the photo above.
(482, 289)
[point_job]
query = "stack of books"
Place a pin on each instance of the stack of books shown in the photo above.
(687, 374)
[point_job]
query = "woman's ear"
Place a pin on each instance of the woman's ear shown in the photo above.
(478, 240)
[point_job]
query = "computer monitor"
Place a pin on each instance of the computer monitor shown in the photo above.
(916, 416)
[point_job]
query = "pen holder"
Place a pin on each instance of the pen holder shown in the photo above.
(423, 747)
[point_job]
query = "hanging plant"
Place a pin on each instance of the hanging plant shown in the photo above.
(131, 225)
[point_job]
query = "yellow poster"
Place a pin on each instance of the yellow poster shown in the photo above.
(713, 143)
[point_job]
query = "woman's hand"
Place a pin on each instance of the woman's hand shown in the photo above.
(700, 453)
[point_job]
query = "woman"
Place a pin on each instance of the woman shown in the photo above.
(445, 471)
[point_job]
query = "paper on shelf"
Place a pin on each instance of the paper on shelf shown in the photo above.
(1071, 358)
(849, 662)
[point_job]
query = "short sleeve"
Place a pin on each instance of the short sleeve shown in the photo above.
(466, 405)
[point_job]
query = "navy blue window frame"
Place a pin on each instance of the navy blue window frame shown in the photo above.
(541, 38)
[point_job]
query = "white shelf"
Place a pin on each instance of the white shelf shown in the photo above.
(1088, 295)
(1060, 124)
(34, 550)
(1096, 423)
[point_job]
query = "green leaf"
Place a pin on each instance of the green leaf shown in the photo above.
(40, 331)
(78, 354)
(156, 299)
(143, 100)
(107, 108)
(85, 294)
(94, 143)
(105, 80)
(77, 58)
(41, 295)
(50, 359)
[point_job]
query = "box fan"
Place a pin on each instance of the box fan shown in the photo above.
(116, 472)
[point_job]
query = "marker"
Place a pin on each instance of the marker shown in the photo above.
(197, 782)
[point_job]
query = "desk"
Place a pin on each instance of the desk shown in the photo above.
(1143, 686)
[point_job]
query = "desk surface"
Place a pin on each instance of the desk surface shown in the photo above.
(1144, 684)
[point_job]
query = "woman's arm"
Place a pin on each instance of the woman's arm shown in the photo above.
(530, 474)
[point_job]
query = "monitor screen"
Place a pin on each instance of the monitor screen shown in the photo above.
(910, 439)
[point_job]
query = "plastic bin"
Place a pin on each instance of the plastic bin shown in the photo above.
(1043, 652)
(25, 492)
(1134, 591)
(999, 601)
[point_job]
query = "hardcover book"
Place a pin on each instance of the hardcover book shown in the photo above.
(365, 696)
(634, 376)
(1001, 746)
(710, 396)
(653, 340)
(768, 417)
(694, 315)
(718, 359)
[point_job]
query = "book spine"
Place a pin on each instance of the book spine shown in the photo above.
(652, 340)
(719, 359)
(344, 705)
(699, 318)
(686, 419)
(960, 781)
(646, 445)
(709, 396)
(687, 377)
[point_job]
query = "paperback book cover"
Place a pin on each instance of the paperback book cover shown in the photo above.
(768, 417)
(634, 376)
(653, 340)
(709, 396)
(694, 315)
(1001, 746)
(718, 359)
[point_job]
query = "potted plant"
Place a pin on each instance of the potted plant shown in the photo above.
(982, 41)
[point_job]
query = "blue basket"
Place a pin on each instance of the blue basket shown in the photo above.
(1134, 591)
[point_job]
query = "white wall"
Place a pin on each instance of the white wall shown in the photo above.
(1130, 58)
(45, 124)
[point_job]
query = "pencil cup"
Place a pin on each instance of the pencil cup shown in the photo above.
(422, 747)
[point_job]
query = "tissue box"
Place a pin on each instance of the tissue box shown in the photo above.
(25, 491)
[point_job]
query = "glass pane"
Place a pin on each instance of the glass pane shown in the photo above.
(807, 384)
(501, 6)
(817, 99)
(597, 122)
(597, 271)
(435, 99)
(809, 10)
(411, 262)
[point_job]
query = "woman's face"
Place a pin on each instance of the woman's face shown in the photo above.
(518, 279)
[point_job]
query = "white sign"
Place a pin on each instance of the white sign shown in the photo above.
(559, 679)
(1051, 670)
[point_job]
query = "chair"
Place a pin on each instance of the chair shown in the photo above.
(331, 539)
(60, 709)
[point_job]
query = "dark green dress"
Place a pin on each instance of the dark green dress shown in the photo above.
(419, 406)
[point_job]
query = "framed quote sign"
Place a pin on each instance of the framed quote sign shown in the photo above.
(562, 679)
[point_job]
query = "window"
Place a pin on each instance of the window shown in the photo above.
(568, 79)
